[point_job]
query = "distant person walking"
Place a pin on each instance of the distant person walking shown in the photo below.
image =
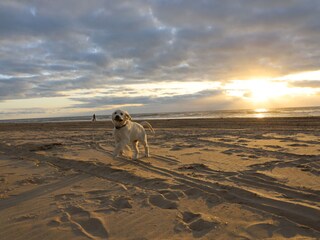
(94, 118)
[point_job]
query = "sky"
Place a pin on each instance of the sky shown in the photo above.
(76, 57)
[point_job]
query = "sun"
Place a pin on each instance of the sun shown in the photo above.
(257, 90)
(261, 90)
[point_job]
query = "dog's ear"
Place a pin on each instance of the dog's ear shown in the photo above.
(127, 115)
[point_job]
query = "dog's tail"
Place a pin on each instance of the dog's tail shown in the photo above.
(148, 125)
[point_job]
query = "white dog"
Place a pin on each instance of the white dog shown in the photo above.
(126, 133)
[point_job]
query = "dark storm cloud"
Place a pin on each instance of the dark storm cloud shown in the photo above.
(25, 87)
(23, 20)
(77, 44)
(14, 87)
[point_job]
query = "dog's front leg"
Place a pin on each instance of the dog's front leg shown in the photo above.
(118, 149)
(120, 146)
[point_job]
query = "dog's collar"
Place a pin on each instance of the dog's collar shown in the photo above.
(120, 126)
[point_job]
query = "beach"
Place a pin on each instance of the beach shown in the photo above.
(223, 178)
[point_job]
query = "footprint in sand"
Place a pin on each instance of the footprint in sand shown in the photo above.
(25, 217)
(171, 195)
(202, 225)
(87, 223)
(32, 180)
(261, 230)
(195, 223)
(188, 217)
(193, 193)
(161, 202)
(213, 200)
(121, 202)
(54, 222)
(66, 196)
(110, 203)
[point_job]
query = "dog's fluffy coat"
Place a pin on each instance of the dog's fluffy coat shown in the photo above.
(128, 133)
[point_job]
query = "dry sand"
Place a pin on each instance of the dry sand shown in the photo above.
(205, 179)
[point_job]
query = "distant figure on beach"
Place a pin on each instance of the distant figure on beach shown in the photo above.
(94, 118)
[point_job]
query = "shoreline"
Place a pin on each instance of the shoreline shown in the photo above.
(277, 122)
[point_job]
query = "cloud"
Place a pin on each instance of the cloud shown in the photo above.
(23, 111)
(247, 31)
(19, 20)
(14, 88)
(306, 84)
(68, 46)
(102, 101)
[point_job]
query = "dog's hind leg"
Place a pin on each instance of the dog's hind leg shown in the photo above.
(135, 149)
(146, 146)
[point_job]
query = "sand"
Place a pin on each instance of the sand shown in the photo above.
(205, 179)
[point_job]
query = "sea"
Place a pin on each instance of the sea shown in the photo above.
(242, 113)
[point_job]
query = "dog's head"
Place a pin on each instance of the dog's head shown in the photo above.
(120, 117)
